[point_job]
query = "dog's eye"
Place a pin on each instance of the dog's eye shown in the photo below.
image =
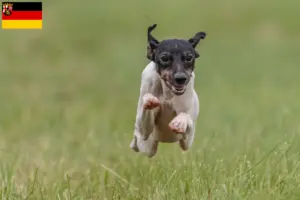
(189, 58)
(164, 58)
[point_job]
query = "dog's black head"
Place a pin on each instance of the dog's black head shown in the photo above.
(175, 59)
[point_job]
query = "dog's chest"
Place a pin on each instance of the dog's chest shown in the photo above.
(166, 112)
(164, 116)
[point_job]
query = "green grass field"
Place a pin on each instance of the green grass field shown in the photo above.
(68, 97)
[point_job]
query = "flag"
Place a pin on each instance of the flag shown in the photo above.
(22, 15)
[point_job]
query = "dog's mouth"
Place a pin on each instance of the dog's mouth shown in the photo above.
(176, 89)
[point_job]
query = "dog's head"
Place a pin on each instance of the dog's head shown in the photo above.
(175, 59)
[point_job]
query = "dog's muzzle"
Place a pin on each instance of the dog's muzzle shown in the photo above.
(178, 83)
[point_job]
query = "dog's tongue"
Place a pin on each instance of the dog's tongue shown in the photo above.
(180, 87)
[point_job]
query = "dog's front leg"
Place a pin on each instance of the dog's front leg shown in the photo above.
(146, 115)
(145, 124)
(148, 106)
(183, 124)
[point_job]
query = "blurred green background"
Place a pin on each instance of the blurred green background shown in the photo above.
(68, 97)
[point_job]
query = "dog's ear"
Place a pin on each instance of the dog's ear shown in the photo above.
(152, 43)
(196, 39)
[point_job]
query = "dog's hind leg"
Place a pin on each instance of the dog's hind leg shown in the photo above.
(133, 144)
(148, 147)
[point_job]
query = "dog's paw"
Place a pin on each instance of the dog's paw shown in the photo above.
(150, 102)
(179, 124)
(133, 144)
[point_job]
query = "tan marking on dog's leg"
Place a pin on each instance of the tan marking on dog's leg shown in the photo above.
(179, 123)
(182, 124)
(150, 102)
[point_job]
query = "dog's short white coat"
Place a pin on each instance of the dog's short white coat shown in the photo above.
(179, 112)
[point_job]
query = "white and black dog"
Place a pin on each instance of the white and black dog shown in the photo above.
(168, 105)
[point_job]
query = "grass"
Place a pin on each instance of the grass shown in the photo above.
(68, 97)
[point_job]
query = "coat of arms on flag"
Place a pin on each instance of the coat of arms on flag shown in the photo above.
(7, 8)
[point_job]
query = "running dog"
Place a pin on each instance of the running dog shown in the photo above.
(168, 105)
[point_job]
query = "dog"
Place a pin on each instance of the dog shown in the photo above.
(168, 105)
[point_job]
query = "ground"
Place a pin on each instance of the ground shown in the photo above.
(68, 96)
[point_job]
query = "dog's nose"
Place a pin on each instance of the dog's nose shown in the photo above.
(180, 78)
